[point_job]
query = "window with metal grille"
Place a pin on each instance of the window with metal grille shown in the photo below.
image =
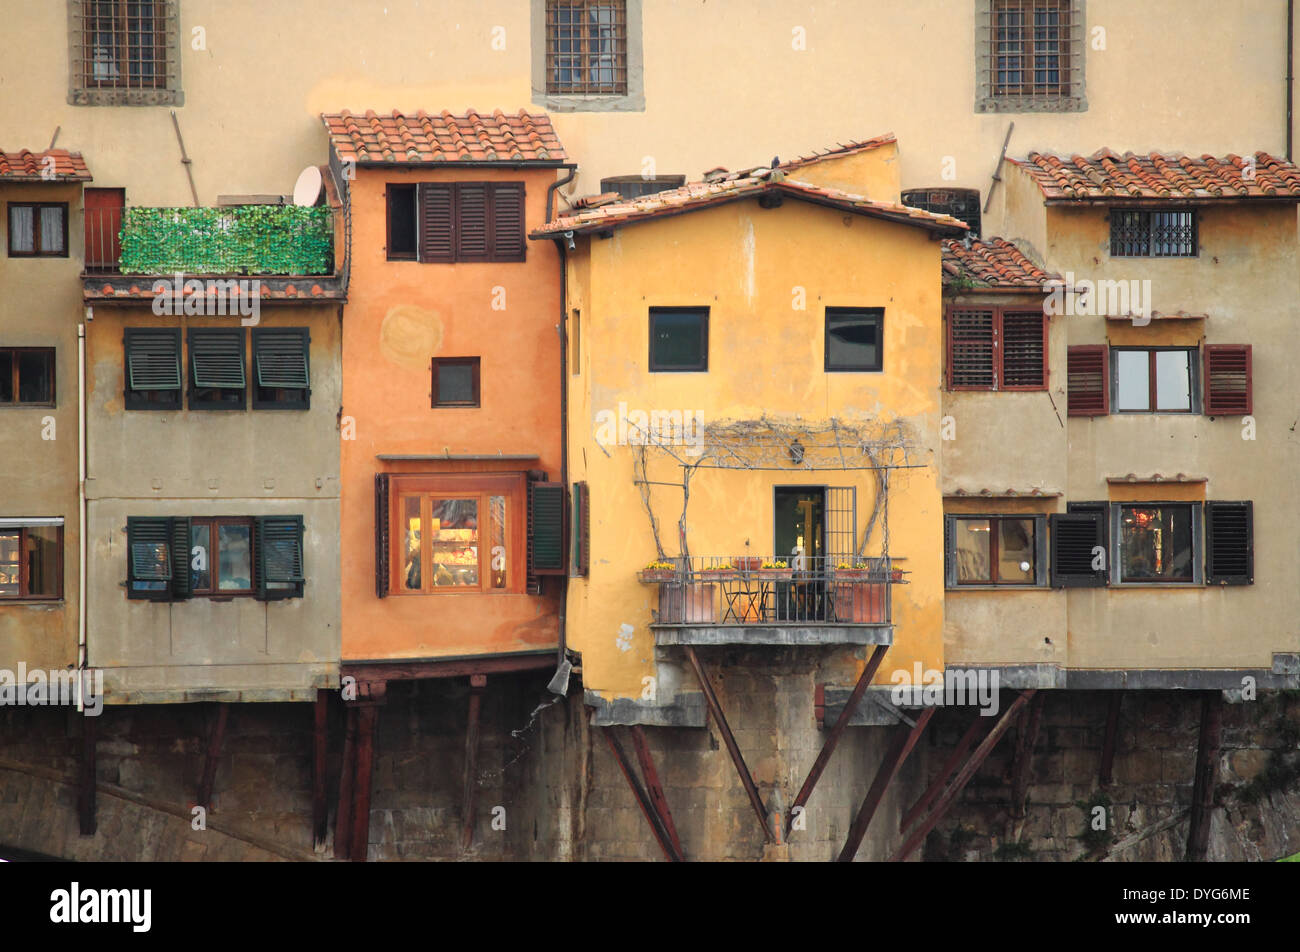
(26, 376)
(992, 348)
(635, 186)
(124, 52)
(31, 559)
(1137, 233)
(1029, 55)
(961, 203)
(152, 375)
(586, 47)
(281, 368)
(995, 550)
(217, 380)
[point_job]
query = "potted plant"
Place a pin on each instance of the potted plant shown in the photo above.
(747, 563)
(716, 570)
(857, 571)
(775, 570)
(896, 574)
(659, 571)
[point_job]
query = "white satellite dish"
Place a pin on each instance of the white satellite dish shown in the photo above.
(307, 189)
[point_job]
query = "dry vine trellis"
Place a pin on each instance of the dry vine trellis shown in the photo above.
(771, 443)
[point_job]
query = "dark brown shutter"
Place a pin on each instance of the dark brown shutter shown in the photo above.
(1074, 537)
(1229, 543)
(473, 242)
(508, 242)
(1024, 351)
(970, 349)
(1087, 380)
(1228, 379)
(546, 528)
(381, 534)
(437, 234)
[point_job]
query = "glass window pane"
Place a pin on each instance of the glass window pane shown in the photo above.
(22, 228)
(52, 229)
(6, 376)
(1156, 543)
(852, 342)
(677, 340)
(1016, 551)
(413, 567)
(235, 558)
(43, 561)
(1173, 380)
(34, 383)
(1134, 391)
(972, 542)
(455, 383)
(453, 534)
(200, 547)
(10, 565)
(499, 565)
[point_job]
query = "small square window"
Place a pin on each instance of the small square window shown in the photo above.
(27, 376)
(998, 550)
(31, 561)
(38, 231)
(1154, 380)
(217, 379)
(679, 339)
(153, 368)
(1156, 543)
(281, 368)
(456, 382)
(854, 338)
(124, 53)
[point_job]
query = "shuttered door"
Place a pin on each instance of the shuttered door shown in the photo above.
(1228, 379)
(1229, 543)
(217, 358)
(1075, 538)
(473, 242)
(508, 243)
(437, 238)
(970, 350)
(1087, 380)
(153, 359)
(1024, 351)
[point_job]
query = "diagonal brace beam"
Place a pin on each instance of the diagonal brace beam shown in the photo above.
(904, 741)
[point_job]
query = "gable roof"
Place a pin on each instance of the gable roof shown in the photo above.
(423, 138)
(696, 196)
(1107, 178)
(840, 151)
(27, 166)
(993, 264)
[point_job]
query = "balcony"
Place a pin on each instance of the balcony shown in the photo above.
(768, 601)
(283, 253)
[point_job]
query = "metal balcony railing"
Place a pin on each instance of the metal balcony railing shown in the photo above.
(768, 590)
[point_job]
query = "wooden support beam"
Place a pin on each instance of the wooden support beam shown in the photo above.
(347, 777)
(1207, 776)
(477, 682)
(1022, 763)
(747, 779)
(366, 716)
(1106, 772)
(977, 726)
(654, 789)
(216, 737)
(833, 739)
(320, 747)
(905, 739)
(918, 835)
(86, 778)
(642, 799)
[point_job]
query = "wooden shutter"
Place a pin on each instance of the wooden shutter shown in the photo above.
(149, 556)
(437, 237)
(1088, 380)
(278, 551)
(1024, 351)
(1228, 383)
(970, 349)
(280, 357)
(545, 528)
(1074, 537)
(217, 358)
(180, 536)
(153, 359)
(473, 243)
(381, 534)
(581, 529)
(1229, 543)
(508, 242)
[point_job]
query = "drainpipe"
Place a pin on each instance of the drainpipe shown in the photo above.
(1290, 77)
(81, 503)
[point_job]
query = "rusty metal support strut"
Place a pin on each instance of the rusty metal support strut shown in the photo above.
(216, 737)
(1026, 740)
(905, 739)
(671, 853)
(1105, 774)
(654, 789)
(1207, 772)
(977, 726)
(477, 682)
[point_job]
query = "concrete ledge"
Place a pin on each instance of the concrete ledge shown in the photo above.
(773, 634)
(686, 710)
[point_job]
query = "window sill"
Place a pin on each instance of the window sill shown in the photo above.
(1150, 585)
(30, 602)
(1036, 587)
(572, 102)
(126, 97)
(1016, 104)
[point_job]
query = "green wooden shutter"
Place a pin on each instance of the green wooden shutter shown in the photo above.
(1074, 536)
(581, 543)
(153, 359)
(279, 557)
(280, 357)
(546, 528)
(217, 358)
(1229, 543)
(179, 531)
(149, 559)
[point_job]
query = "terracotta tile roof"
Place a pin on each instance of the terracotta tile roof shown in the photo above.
(422, 138)
(695, 196)
(133, 289)
(25, 166)
(991, 263)
(840, 150)
(1107, 177)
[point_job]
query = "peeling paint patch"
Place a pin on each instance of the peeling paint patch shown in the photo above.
(410, 335)
(624, 638)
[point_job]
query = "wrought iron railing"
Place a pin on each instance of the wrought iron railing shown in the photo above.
(767, 590)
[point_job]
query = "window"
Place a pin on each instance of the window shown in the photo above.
(124, 53)
(636, 186)
(995, 550)
(1145, 234)
(281, 368)
(38, 230)
(153, 368)
(961, 203)
(217, 380)
(1155, 542)
(587, 55)
(460, 221)
(679, 338)
(990, 348)
(456, 382)
(854, 339)
(26, 376)
(31, 559)
(452, 534)
(1153, 380)
(1029, 55)
(170, 558)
